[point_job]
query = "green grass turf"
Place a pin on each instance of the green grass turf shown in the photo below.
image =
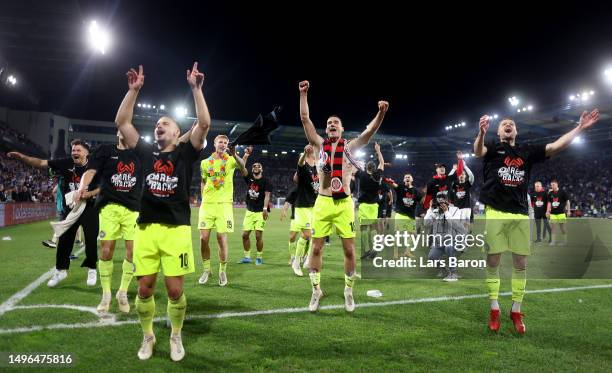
(565, 331)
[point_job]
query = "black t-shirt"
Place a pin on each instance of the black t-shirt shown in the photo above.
(369, 186)
(70, 178)
(291, 199)
(406, 200)
(308, 186)
(441, 184)
(167, 178)
(558, 201)
(120, 176)
(256, 193)
(539, 201)
(506, 175)
(461, 194)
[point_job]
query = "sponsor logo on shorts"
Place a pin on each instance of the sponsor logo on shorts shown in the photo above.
(202, 224)
(307, 225)
(102, 234)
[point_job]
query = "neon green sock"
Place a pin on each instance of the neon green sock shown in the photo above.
(222, 266)
(106, 274)
(349, 280)
(315, 278)
(519, 280)
(260, 254)
(292, 246)
(146, 311)
(247, 254)
(176, 313)
(206, 263)
(126, 277)
(493, 282)
(300, 247)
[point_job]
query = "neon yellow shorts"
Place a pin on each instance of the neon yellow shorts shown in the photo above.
(404, 223)
(507, 232)
(253, 221)
(367, 213)
(217, 215)
(558, 218)
(163, 246)
(329, 213)
(303, 218)
(293, 227)
(117, 221)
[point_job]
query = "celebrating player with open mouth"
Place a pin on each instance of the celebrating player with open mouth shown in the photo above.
(507, 166)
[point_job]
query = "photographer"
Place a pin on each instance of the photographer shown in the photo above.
(444, 220)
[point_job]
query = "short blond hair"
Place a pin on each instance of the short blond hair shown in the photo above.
(221, 137)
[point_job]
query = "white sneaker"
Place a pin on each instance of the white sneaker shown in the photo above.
(146, 348)
(92, 277)
(204, 278)
(177, 352)
(104, 303)
(296, 268)
(306, 264)
(317, 294)
(349, 302)
(452, 277)
(291, 260)
(222, 279)
(124, 304)
(57, 277)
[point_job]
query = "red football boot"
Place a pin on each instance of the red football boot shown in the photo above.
(494, 321)
(517, 319)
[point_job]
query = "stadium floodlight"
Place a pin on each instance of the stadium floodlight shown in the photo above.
(139, 105)
(264, 151)
(572, 97)
(153, 106)
(148, 106)
(495, 116)
(360, 153)
(147, 138)
(518, 111)
(513, 101)
(530, 107)
(398, 156)
(591, 93)
(462, 124)
(292, 150)
(11, 80)
(99, 39)
(473, 154)
(180, 111)
(405, 156)
(577, 140)
(162, 107)
(608, 74)
(283, 152)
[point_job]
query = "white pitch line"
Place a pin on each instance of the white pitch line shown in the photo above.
(17, 297)
(103, 323)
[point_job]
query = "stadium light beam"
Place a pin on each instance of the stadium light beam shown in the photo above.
(11, 80)
(513, 101)
(162, 107)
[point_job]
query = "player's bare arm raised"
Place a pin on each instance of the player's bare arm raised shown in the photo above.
(309, 128)
(381, 160)
(479, 148)
(30, 161)
(364, 138)
(586, 121)
(198, 133)
(126, 109)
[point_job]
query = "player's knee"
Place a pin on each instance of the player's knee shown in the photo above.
(145, 290)
(245, 235)
(175, 292)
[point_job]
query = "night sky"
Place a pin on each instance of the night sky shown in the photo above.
(436, 65)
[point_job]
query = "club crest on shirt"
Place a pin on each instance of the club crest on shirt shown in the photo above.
(124, 180)
(512, 174)
(336, 184)
(160, 182)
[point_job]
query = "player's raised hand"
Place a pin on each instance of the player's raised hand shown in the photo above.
(588, 119)
(376, 147)
(135, 78)
(15, 155)
(383, 106)
(308, 149)
(304, 85)
(194, 77)
(484, 124)
(248, 150)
